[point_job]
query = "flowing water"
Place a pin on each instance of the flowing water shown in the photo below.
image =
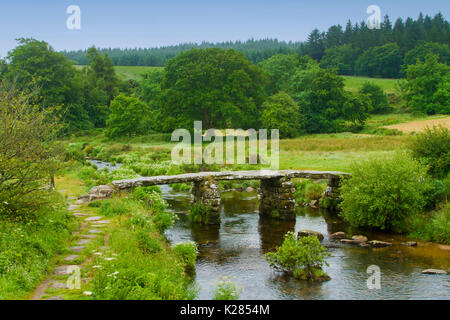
(237, 249)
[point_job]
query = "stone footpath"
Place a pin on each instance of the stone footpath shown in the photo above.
(89, 240)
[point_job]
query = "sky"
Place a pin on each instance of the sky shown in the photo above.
(151, 23)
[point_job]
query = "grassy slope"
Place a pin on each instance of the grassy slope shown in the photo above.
(353, 83)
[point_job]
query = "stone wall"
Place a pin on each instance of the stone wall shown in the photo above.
(277, 199)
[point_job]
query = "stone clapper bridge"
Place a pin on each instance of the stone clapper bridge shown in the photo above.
(277, 192)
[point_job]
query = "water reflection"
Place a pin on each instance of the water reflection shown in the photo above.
(236, 248)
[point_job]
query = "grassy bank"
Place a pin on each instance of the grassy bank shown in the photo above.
(29, 248)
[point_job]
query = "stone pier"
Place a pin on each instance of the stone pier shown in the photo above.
(277, 199)
(207, 192)
(331, 194)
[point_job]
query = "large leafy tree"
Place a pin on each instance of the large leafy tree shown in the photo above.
(220, 87)
(324, 104)
(383, 61)
(282, 113)
(280, 68)
(427, 88)
(35, 62)
(127, 117)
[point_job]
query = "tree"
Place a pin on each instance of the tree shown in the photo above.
(427, 87)
(36, 62)
(378, 99)
(324, 104)
(423, 49)
(29, 155)
(316, 44)
(383, 61)
(220, 87)
(341, 58)
(280, 68)
(127, 116)
(281, 112)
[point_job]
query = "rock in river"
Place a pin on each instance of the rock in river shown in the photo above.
(379, 244)
(305, 233)
(338, 235)
(434, 271)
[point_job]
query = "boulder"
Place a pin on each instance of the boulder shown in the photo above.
(338, 235)
(250, 189)
(99, 192)
(305, 233)
(434, 271)
(349, 241)
(314, 204)
(379, 244)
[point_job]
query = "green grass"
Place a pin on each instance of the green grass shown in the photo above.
(28, 250)
(354, 83)
(133, 72)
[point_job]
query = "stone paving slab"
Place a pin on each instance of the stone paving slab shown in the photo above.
(83, 241)
(77, 248)
(93, 218)
(64, 270)
(89, 236)
(95, 231)
(71, 258)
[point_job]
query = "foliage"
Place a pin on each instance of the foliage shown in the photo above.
(144, 268)
(432, 227)
(29, 155)
(427, 87)
(281, 112)
(377, 97)
(300, 257)
(280, 68)
(126, 117)
(341, 58)
(199, 213)
(226, 290)
(423, 49)
(27, 249)
(220, 87)
(432, 147)
(383, 192)
(187, 252)
(324, 104)
(381, 62)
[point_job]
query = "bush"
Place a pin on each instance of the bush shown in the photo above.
(303, 258)
(118, 207)
(383, 192)
(187, 252)
(432, 227)
(307, 190)
(432, 147)
(226, 290)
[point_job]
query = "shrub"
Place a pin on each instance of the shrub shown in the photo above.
(303, 258)
(148, 242)
(307, 190)
(432, 147)
(187, 252)
(181, 186)
(226, 290)
(383, 191)
(432, 227)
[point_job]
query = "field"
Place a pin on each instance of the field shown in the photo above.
(132, 72)
(416, 126)
(353, 83)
